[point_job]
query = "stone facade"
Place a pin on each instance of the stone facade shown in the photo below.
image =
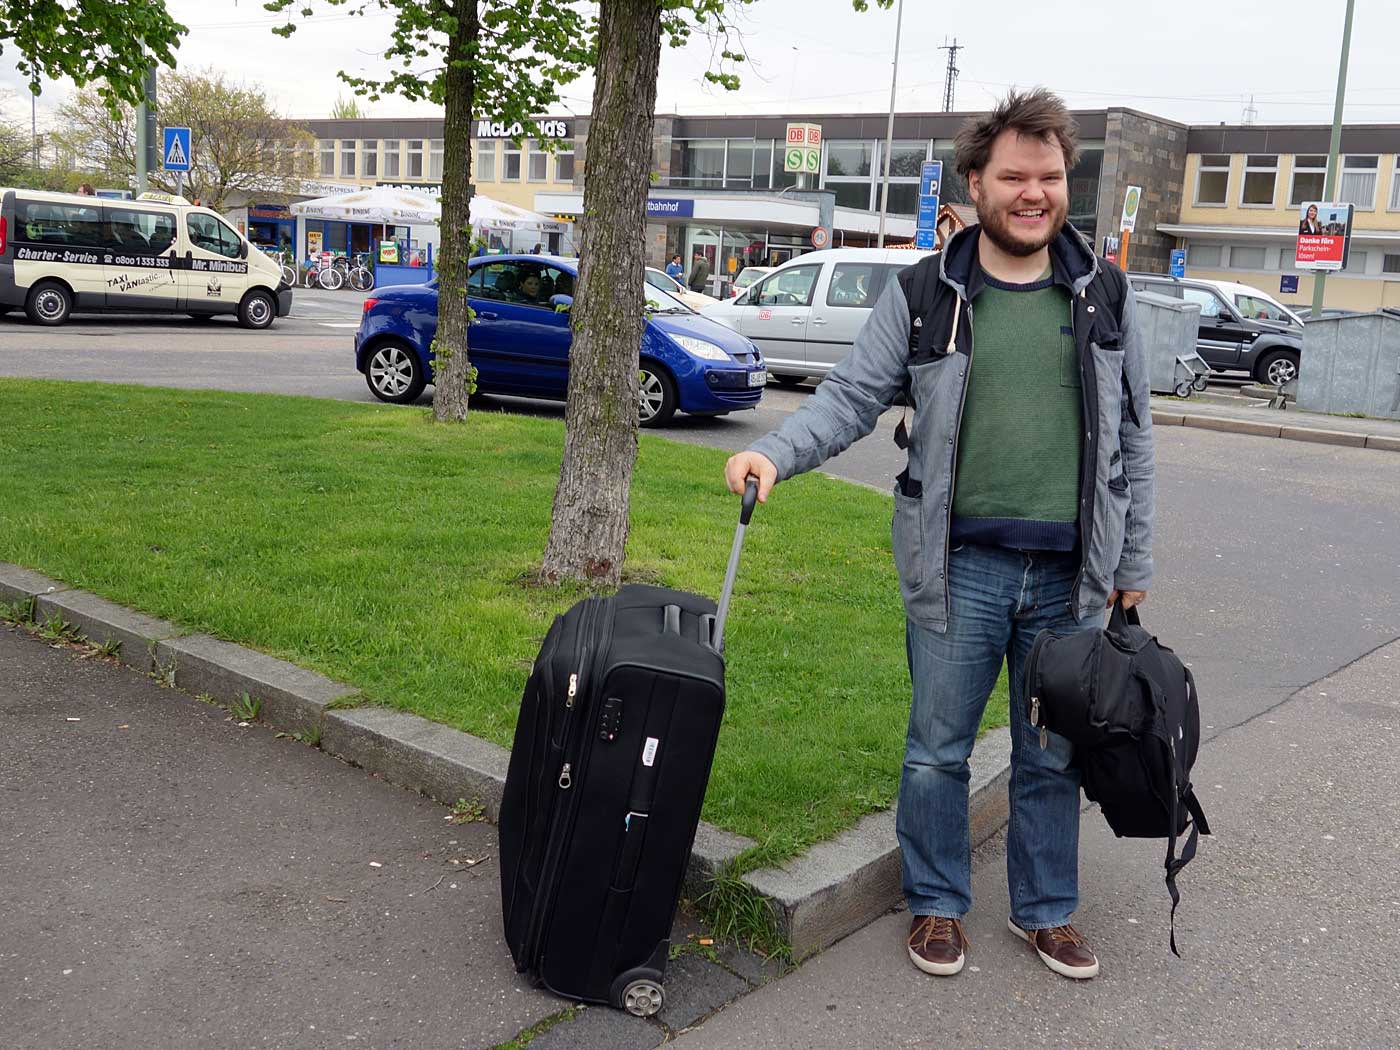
(1142, 150)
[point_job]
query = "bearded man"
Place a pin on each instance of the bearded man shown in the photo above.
(1027, 504)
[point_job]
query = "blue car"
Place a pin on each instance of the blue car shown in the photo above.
(519, 342)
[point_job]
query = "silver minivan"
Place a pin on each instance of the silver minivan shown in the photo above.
(804, 315)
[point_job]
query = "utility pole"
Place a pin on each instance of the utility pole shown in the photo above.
(950, 78)
(147, 151)
(1329, 191)
(889, 127)
(34, 120)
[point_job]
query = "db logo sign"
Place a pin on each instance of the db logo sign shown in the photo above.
(820, 238)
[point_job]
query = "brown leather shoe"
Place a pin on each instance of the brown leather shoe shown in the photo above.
(937, 945)
(1062, 949)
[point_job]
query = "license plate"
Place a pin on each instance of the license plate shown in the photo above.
(758, 378)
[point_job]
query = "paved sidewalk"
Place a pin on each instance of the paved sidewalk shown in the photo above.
(1287, 922)
(1385, 432)
(174, 879)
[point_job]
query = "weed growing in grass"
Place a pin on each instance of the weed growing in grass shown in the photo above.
(310, 737)
(111, 647)
(165, 675)
(733, 910)
(246, 708)
(20, 612)
(464, 812)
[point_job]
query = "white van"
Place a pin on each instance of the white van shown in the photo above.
(804, 315)
(61, 252)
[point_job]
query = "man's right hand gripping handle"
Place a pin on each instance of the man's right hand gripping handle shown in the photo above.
(742, 464)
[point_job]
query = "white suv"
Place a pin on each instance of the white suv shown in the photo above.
(804, 315)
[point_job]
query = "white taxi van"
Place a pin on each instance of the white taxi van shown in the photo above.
(61, 252)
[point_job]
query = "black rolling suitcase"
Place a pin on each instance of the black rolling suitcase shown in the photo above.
(612, 754)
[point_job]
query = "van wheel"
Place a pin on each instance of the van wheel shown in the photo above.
(49, 303)
(656, 396)
(1277, 367)
(395, 374)
(257, 310)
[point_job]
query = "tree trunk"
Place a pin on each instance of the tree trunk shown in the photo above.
(588, 533)
(452, 371)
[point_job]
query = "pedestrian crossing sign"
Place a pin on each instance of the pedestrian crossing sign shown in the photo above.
(176, 149)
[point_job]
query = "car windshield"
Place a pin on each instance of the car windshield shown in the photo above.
(658, 302)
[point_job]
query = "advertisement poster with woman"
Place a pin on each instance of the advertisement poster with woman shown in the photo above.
(1324, 235)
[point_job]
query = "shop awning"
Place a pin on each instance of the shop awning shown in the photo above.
(381, 204)
(487, 211)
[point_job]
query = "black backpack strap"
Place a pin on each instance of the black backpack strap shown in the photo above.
(920, 284)
(1113, 288)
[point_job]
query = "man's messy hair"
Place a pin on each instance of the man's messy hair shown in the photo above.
(1038, 113)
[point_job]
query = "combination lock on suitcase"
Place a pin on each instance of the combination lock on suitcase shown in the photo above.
(607, 775)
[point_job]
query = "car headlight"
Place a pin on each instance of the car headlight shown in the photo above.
(701, 348)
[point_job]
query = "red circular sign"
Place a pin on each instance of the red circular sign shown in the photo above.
(820, 237)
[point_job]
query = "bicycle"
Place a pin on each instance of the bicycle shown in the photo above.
(360, 276)
(325, 273)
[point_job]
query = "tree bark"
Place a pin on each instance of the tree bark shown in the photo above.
(452, 371)
(588, 533)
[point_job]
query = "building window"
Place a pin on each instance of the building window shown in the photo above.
(1391, 263)
(1309, 179)
(328, 157)
(538, 170)
(697, 162)
(1356, 262)
(391, 158)
(906, 163)
(1083, 189)
(1246, 258)
(512, 166)
(564, 162)
(738, 164)
(1358, 184)
(435, 160)
(369, 158)
(1207, 255)
(415, 159)
(1213, 179)
(1260, 178)
(486, 160)
(848, 170)
(763, 164)
(1395, 185)
(347, 157)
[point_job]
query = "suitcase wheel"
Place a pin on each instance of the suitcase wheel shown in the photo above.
(642, 998)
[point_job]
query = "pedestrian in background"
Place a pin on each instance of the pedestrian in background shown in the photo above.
(699, 273)
(674, 269)
(1015, 514)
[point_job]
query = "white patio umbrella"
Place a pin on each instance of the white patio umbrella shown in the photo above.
(488, 212)
(381, 204)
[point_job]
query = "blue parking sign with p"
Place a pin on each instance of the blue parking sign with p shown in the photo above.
(175, 151)
(1178, 262)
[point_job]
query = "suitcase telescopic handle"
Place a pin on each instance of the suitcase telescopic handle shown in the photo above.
(745, 513)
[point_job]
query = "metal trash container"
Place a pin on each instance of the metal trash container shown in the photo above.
(1169, 328)
(1352, 364)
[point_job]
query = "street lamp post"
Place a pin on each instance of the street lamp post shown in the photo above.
(1330, 187)
(889, 127)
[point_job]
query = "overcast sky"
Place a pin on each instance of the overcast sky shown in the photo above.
(1190, 60)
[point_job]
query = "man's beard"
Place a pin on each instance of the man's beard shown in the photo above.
(997, 227)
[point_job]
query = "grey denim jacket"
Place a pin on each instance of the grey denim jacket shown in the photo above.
(1117, 485)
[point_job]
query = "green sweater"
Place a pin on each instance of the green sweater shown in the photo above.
(1021, 440)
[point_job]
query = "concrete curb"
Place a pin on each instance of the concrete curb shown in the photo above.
(1257, 428)
(832, 890)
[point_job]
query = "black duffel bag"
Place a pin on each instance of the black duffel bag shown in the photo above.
(1129, 707)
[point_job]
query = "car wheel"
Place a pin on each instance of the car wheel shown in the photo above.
(257, 310)
(656, 396)
(1277, 367)
(787, 380)
(395, 374)
(49, 303)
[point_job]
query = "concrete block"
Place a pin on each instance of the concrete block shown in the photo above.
(1323, 437)
(1383, 442)
(18, 584)
(1232, 426)
(293, 698)
(427, 757)
(696, 988)
(101, 621)
(1161, 418)
(712, 850)
(843, 884)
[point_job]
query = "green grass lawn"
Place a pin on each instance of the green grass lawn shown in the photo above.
(390, 553)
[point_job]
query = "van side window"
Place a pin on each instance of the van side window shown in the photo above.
(68, 225)
(1208, 301)
(854, 285)
(140, 232)
(210, 234)
(791, 287)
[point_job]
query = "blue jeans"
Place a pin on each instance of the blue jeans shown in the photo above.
(999, 600)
